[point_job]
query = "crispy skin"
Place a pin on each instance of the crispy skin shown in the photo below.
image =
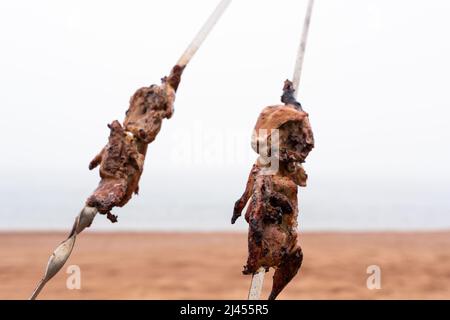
(296, 127)
(148, 107)
(273, 235)
(273, 207)
(272, 218)
(121, 166)
(122, 159)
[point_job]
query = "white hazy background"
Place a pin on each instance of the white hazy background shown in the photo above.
(375, 82)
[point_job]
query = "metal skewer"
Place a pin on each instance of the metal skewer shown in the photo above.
(203, 33)
(63, 251)
(257, 284)
(87, 214)
(301, 49)
(258, 277)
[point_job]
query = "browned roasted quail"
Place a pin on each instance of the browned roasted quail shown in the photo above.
(122, 159)
(273, 207)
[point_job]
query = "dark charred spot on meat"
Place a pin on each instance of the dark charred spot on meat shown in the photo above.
(288, 96)
(254, 201)
(111, 217)
(296, 142)
(175, 77)
(258, 236)
(256, 230)
(246, 270)
(281, 202)
(294, 139)
(142, 134)
(273, 215)
(284, 251)
(276, 207)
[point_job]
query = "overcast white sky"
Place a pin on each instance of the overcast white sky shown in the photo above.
(375, 82)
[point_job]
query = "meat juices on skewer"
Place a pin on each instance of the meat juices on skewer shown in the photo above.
(273, 207)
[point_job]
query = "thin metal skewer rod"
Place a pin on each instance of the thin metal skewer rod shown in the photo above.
(256, 285)
(301, 49)
(63, 251)
(203, 33)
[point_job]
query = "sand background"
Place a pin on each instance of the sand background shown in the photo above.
(208, 266)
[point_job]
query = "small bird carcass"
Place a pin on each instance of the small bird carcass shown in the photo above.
(283, 139)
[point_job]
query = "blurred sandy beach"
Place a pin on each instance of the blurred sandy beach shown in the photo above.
(208, 266)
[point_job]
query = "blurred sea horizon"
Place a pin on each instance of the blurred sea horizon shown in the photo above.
(177, 203)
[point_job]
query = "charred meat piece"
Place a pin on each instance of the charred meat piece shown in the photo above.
(122, 159)
(149, 106)
(272, 218)
(273, 206)
(288, 97)
(121, 166)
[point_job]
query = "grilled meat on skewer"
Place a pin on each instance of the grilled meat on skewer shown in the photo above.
(273, 207)
(122, 159)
